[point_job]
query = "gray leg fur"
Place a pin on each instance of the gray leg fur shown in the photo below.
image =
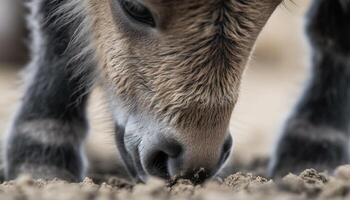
(317, 134)
(47, 134)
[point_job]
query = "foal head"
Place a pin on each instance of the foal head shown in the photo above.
(172, 69)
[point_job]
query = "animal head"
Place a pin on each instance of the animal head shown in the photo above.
(173, 70)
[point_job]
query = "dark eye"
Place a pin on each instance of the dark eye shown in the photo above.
(138, 12)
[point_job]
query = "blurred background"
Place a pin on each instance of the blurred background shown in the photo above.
(272, 84)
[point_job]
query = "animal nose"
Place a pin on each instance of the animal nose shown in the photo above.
(173, 159)
(157, 157)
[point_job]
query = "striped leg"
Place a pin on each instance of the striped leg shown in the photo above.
(50, 126)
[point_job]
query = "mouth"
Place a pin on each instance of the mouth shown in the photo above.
(131, 161)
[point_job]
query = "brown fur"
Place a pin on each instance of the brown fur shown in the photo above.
(191, 66)
(185, 74)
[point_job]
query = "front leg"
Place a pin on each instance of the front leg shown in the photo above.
(317, 134)
(46, 137)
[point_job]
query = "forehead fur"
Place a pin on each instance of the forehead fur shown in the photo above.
(188, 67)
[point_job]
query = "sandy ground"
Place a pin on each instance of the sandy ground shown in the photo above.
(240, 186)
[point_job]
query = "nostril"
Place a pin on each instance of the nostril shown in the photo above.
(172, 148)
(157, 164)
(227, 145)
(157, 159)
(226, 150)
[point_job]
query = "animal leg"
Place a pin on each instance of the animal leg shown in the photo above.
(317, 134)
(46, 137)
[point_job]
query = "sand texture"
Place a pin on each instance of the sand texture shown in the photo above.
(310, 184)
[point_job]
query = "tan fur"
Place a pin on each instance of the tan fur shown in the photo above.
(187, 73)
